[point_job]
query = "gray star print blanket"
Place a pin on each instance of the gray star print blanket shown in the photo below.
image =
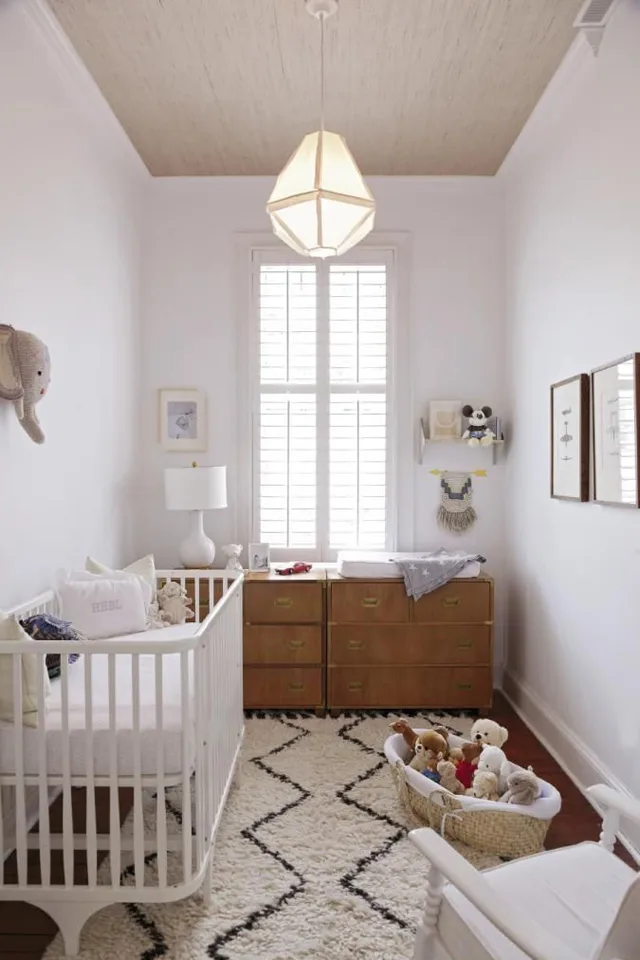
(426, 573)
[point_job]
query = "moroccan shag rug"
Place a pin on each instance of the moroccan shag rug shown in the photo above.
(312, 859)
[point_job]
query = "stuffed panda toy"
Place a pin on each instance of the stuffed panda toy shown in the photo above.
(478, 431)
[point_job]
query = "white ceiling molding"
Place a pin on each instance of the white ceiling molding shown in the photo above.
(592, 21)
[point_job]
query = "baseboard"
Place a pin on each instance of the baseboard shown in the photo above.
(575, 757)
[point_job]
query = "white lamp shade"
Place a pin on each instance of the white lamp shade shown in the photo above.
(195, 488)
(321, 205)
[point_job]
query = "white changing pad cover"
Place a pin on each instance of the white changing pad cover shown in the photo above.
(171, 714)
(382, 566)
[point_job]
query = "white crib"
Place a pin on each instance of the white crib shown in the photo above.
(158, 712)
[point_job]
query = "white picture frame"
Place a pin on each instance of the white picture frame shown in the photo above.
(445, 419)
(259, 557)
(183, 420)
(615, 412)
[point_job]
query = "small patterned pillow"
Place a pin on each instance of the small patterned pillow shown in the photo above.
(44, 626)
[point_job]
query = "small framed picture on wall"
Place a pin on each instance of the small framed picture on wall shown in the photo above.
(570, 438)
(615, 397)
(183, 420)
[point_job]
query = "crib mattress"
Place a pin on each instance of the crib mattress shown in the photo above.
(383, 566)
(172, 718)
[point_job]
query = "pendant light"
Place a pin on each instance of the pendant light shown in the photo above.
(320, 205)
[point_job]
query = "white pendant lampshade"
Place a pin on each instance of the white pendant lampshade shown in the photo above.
(196, 489)
(320, 205)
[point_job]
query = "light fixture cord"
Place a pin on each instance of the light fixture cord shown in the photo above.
(322, 19)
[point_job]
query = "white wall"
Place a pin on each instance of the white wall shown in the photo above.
(573, 253)
(451, 324)
(70, 187)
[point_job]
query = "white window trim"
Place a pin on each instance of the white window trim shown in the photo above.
(400, 434)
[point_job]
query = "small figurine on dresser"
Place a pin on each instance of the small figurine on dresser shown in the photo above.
(232, 552)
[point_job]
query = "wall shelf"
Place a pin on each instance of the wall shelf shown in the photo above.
(426, 439)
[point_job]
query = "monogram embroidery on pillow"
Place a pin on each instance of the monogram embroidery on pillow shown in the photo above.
(104, 606)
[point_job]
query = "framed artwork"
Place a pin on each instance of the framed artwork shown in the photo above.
(615, 394)
(570, 438)
(183, 420)
(445, 419)
(259, 557)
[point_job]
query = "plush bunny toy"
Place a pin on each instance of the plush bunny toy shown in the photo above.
(25, 372)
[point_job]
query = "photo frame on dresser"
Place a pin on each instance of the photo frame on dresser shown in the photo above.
(570, 439)
(615, 415)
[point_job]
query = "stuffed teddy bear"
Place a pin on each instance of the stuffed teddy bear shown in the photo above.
(488, 732)
(466, 766)
(25, 372)
(478, 431)
(494, 760)
(430, 747)
(485, 786)
(174, 603)
(448, 778)
(522, 787)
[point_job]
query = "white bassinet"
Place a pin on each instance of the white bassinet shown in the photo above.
(504, 829)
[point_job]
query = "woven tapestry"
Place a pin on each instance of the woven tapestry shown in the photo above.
(456, 511)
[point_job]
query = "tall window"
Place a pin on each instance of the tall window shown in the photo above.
(321, 409)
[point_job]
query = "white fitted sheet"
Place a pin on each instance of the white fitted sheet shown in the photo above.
(172, 716)
(383, 566)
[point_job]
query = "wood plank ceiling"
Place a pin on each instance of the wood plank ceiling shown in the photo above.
(218, 87)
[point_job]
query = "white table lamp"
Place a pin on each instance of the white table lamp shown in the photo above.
(196, 489)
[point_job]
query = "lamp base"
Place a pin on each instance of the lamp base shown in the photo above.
(197, 550)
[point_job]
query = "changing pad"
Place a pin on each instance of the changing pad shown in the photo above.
(382, 566)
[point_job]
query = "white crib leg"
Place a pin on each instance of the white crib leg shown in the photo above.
(70, 918)
(426, 934)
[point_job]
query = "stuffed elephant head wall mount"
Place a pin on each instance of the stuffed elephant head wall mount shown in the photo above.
(25, 372)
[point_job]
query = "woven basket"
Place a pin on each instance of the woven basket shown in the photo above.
(505, 833)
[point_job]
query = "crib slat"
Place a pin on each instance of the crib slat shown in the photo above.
(161, 810)
(114, 805)
(186, 766)
(211, 595)
(200, 670)
(67, 813)
(138, 827)
(92, 848)
(21, 824)
(43, 787)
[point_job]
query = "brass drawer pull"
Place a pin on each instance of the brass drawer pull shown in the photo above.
(370, 601)
(355, 685)
(283, 602)
(465, 643)
(295, 644)
(296, 686)
(464, 686)
(451, 601)
(355, 644)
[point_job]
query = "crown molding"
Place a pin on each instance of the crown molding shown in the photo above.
(81, 84)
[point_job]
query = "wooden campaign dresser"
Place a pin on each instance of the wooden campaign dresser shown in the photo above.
(285, 641)
(385, 650)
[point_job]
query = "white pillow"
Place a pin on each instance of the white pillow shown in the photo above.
(100, 607)
(145, 568)
(10, 629)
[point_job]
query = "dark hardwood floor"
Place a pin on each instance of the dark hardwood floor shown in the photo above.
(25, 931)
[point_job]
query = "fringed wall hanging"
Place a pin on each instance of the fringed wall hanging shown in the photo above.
(456, 512)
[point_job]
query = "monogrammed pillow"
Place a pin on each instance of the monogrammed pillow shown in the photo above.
(100, 607)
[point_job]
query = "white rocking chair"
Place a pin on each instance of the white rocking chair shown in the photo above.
(573, 903)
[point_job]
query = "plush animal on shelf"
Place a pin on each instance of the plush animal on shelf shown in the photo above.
(522, 787)
(478, 431)
(430, 747)
(448, 778)
(466, 766)
(489, 733)
(494, 760)
(25, 372)
(174, 603)
(485, 786)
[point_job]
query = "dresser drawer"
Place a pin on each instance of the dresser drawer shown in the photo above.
(287, 602)
(408, 687)
(278, 687)
(410, 644)
(456, 602)
(282, 644)
(363, 602)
